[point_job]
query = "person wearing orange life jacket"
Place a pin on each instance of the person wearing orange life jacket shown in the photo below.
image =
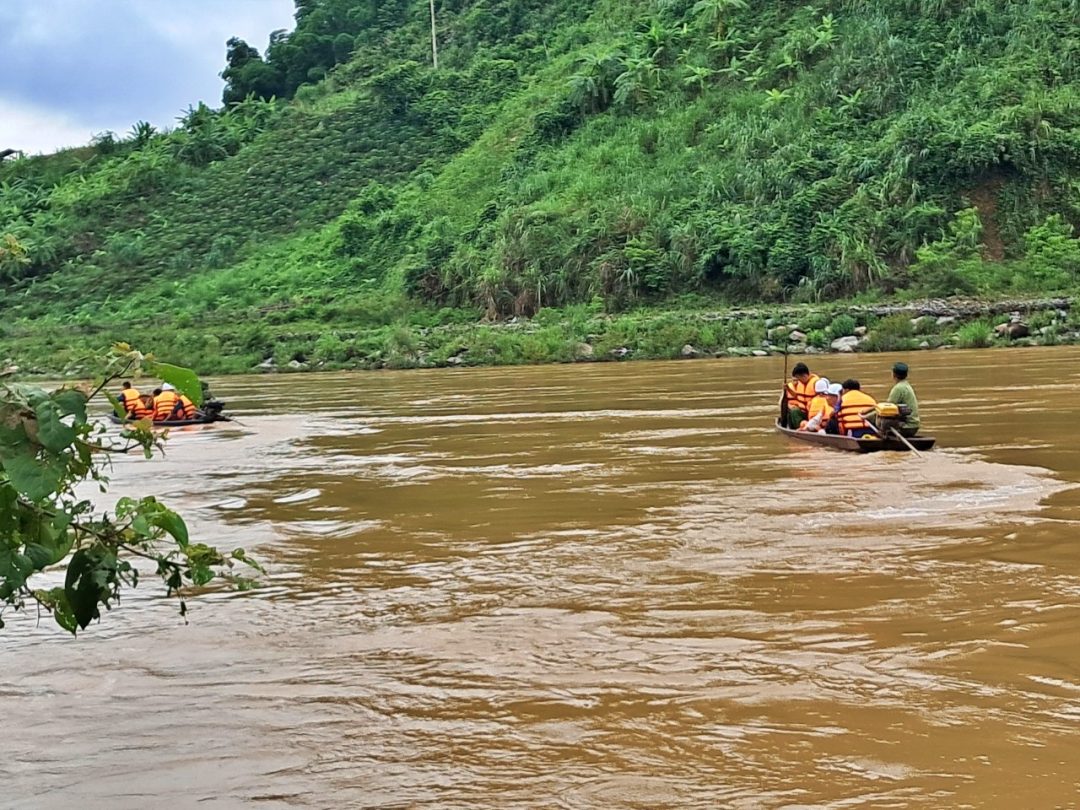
(186, 409)
(854, 404)
(128, 397)
(798, 393)
(821, 407)
(136, 405)
(166, 402)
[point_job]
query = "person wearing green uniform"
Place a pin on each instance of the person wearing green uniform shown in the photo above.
(903, 394)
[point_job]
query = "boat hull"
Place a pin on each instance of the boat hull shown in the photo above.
(867, 444)
(199, 420)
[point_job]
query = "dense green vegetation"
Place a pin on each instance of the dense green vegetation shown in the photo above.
(352, 205)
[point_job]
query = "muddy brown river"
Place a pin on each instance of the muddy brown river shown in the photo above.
(588, 586)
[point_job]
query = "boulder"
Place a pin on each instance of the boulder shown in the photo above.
(924, 345)
(860, 331)
(945, 320)
(296, 365)
(456, 360)
(583, 351)
(267, 365)
(814, 350)
(1012, 330)
(797, 337)
(689, 351)
(844, 344)
(622, 351)
(760, 353)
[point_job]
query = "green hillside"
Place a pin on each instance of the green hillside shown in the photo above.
(353, 205)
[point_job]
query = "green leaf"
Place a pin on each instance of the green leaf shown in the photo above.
(71, 401)
(32, 477)
(173, 524)
(183, 379)
(118, 409)
(52, 544)
(56, 600)
(53, 434)
(89, 576)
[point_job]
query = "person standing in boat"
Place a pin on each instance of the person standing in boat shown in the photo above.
(797, 395)
(903, 394)
(854, 405)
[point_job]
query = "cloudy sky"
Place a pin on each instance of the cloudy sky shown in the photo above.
(72, 68)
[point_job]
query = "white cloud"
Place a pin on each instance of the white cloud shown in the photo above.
(36, 130)
(74, 67)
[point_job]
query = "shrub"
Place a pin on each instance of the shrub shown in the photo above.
(975, 335)
(841, 326)
(814, 320)
(890, 334)
(817, 338)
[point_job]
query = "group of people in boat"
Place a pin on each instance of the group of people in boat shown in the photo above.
(164, 404)
(810, 402)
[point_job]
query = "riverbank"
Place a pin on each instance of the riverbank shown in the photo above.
(448, 338)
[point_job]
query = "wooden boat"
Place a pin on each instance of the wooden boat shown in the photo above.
(200, 419)
(867, 444)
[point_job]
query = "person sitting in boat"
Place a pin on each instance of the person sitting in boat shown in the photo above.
(185, 409)
(821, 407)
(172, 406)
(165, 403)
(903, 394)
(832, 424)
(797, 395)
(854, 406)
(135, 404)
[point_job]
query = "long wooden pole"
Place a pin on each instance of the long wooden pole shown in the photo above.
(434, 41)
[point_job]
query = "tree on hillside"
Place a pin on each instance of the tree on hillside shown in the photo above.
(246, 74)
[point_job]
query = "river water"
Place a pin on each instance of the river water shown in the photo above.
(588, 586)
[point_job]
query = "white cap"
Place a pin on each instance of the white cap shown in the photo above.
(835, 389)
(821, 386)
(167, 387)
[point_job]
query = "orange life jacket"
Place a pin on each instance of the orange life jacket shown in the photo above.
(799, 395)
(187, 408)
(128, 398)
(164, 405)
(142, 407)
(820, 405)
(853, 403)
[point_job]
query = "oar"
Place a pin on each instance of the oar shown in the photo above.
(895, 432)
(902, 438)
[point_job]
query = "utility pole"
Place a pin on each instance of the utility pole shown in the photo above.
(434, 42)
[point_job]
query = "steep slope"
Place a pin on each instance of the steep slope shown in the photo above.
(566, 152)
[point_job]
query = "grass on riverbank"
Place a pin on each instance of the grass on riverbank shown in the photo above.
(298, 339)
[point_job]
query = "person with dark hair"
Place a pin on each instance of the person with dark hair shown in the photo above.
(128, 397)
(135, 404)
(854, 405)
(903, 394)
(797, 395)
